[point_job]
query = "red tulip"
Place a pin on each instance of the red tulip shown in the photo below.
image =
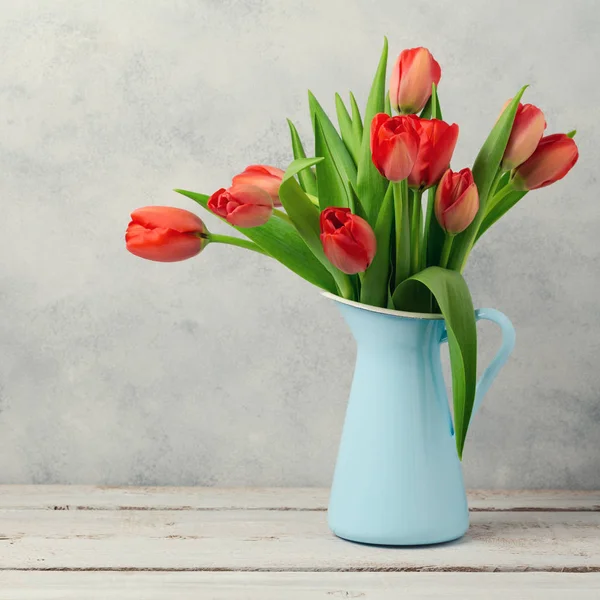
(394, 146)
(410, 84)
(552, 160)
(165, 234)
(262, 176)
(456, 201)
(242, 205)
(527, 131)
(437, 141)
(348, 240)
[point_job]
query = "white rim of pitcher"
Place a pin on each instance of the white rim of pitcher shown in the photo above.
(384, 311)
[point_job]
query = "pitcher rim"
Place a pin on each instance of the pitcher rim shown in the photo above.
(385, 311)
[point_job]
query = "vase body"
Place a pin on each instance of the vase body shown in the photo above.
(398, 479)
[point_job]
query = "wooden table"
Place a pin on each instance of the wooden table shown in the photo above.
(59, 542)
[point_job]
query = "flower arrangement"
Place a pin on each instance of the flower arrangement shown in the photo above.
(355, 221)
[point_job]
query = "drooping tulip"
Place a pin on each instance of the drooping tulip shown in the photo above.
(242, 205)
(456, 201)
(165, 234)
(410, 84)
(394, 146)
(348, 240)
(437, 141)
(262, 176)
(527, 131)
(553, 158)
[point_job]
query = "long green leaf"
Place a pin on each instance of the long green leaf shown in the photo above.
(454, 299)
(339, 152)
(432, 109)
(434, 234)
(331, 185)
(371, 185)
(281, 241)
(485, 169)
(375, 283)
(498, 211)
(305, 217)
(357, 123)
(346, 129)
(308, 179)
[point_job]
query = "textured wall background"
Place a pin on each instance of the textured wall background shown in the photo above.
(227, 369)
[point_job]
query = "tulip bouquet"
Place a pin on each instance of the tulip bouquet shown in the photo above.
(378, 216)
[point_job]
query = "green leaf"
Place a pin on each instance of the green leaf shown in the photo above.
(339, 152)
(305, 217)
(498, 211)
(432, 109)
(331, 184)
(485, 169)
(281, 241)
(435, 235)
(387, 106)
(357, 124)
(308, 179)
(346, 129)
(402, 228)
(371, 185)
(454, 299)
(356, 205)
(375, 283)
(572, 133)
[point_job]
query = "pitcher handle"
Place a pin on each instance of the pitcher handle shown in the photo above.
(508, 343)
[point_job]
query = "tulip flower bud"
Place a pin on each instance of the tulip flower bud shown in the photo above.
(527, 131)
(394, 146)
(410, 84)
(437, 141)
(552, 160)
(242, 205)
(456, 201)
(348, 240)
(165, 234)
(262, 176)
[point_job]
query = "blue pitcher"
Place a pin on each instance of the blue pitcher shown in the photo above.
(398, 480)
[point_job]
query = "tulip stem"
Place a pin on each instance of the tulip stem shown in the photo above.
(281, 215)
(495, 200)
(446, 250)
(234, 241)
(415, 231)
(402, 224)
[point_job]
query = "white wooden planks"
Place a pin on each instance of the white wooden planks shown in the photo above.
(88, 542)
(296, 586)
(158, 498)
(284, 541)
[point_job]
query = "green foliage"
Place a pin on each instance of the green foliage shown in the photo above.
(485, 170)
(454, 299)
(280, 239)
(375, 282)
(307, 178)
(347, 130)
(371, 185)
(305, 217)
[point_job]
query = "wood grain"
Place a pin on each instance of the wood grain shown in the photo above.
(297, 586)
(173, 498)
(285, 541)
(89, 542)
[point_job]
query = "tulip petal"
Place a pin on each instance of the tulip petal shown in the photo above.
(167, 217)
(249, 215)
(163, 245)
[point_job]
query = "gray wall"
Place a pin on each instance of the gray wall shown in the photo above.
(227, 369)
